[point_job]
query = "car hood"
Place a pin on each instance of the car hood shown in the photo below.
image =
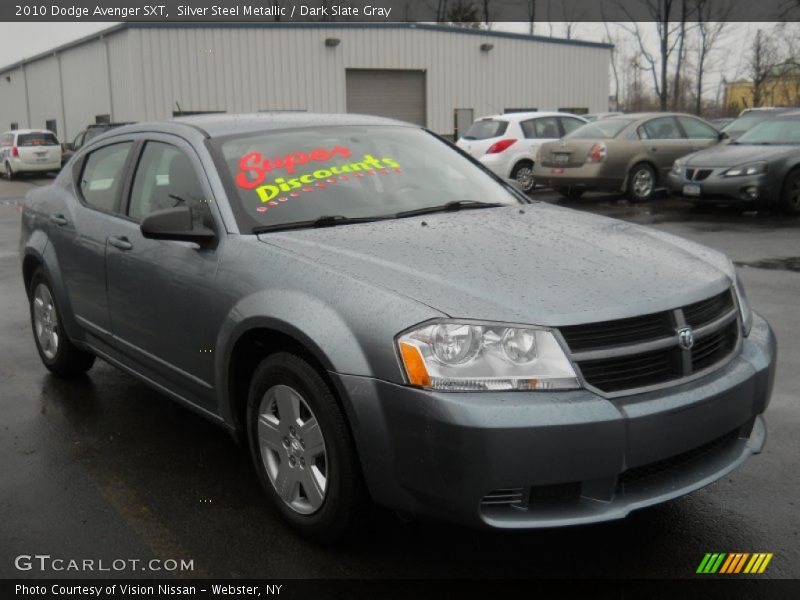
(536, 264)
(731, 155)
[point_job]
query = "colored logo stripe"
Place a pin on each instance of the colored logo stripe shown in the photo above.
(735, 562)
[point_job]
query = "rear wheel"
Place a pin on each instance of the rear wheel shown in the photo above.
(641, 183)
(523, 174)
(302, 449)
(57, 352)
(570, 193)
(790, 196)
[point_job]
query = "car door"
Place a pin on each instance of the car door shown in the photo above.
(160, 297)
(664, 142)
(78, 230)
(700, 134)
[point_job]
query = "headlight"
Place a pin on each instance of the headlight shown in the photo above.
(677, 167)
(744, 305)
(751, 169)
(464, 356)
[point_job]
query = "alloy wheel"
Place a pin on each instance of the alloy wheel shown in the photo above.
(45, 321)
(524, 177)
(292, 449)
(642, 183)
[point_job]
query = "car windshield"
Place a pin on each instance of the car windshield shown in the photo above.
(602, 128)
(747, 121)
(774, 131)
(485, 129)
(346, 171)
(37, 139)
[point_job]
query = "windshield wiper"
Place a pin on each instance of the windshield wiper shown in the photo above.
(448, 207)
(324, 221)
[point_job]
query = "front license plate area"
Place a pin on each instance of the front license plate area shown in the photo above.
(691, 190)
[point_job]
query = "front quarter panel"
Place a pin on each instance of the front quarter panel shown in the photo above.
(347, 324)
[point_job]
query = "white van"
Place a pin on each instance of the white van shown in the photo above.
(29, 150)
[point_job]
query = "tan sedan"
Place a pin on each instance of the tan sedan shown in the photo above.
(629, 153)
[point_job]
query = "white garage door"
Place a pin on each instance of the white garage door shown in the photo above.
(397, 94)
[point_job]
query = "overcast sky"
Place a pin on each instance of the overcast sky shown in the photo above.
(22, 40)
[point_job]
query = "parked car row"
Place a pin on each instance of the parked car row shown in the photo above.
(39, 151)
(754, 158)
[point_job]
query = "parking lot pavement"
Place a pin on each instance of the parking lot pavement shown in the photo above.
(104, 467)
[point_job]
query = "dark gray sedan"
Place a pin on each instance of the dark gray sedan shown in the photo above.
(762, 167)
(377, 316)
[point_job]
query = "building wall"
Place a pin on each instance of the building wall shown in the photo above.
(774, 92)
(155, 71)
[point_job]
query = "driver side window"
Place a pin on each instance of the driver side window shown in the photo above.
(166, 178)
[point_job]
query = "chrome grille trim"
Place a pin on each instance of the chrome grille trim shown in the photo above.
(644, 362)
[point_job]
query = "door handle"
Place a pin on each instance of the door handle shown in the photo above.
(654, 149)
(58, 219)
(120, 242)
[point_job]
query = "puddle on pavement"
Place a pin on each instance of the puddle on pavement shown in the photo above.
(790, 263)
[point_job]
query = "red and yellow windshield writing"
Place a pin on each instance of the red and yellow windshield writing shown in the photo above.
(330, 174)
(253, 167)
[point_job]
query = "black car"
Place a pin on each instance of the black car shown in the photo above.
(83, 138)
(761, 166)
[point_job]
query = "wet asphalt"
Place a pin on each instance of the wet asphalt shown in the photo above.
(105, 468)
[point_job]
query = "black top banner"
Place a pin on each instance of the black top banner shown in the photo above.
(475, 11)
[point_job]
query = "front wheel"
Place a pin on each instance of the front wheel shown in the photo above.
(302, 449)
(641, 183)
(56, 350)
(523, 174)
(790, 195)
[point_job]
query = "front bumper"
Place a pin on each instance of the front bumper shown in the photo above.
(745, 189)
(524, 460)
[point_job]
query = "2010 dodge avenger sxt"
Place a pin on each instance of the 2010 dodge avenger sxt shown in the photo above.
(378, 316)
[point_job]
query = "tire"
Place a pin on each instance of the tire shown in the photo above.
(641, 183)
(57, 352)
(523, 174)
(319, 463)
(9, 171)
(570, 193)
(790, 194)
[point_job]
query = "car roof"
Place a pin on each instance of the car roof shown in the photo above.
(530, 114)
(28, 131)
(222, 124)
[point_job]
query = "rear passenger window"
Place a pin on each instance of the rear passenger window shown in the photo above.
(662, 128)
(543, 127)
(695, 129)
(102, 175)
(165, 178)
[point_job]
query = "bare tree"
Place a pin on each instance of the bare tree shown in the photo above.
(668, 33)
(571, 15)
(681, 34)
(531, 6)
(463, 13)
(709, 32)
(762, 63)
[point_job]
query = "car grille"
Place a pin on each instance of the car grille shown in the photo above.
(698, 174)
(619, 356)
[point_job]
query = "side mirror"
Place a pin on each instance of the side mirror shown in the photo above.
(175, 224)
(723, 136)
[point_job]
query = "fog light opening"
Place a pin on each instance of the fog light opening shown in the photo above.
(750, 192)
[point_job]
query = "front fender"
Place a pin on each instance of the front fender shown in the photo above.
(316, 325)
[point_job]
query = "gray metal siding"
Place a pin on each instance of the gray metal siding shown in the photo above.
(394, 93)
(251, 69)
